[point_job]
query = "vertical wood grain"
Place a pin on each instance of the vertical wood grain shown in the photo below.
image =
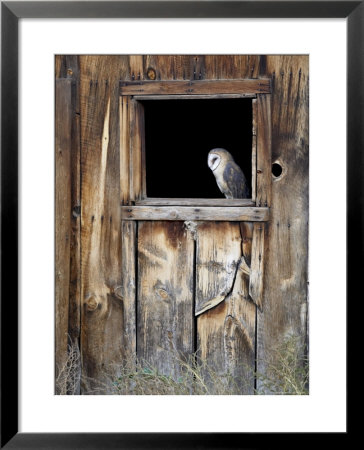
(75, 254)
(165, 295)
(264, 139)
(254, 148)
(218, 253)
(137, 184)
(63, 146)
(286, 251)
(232, 66)
(136, 65)
(102, 307)
(257, 264)
(124, 150)
(225, 333)
(127, 292)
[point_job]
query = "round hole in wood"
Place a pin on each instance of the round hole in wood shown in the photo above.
(276, 170)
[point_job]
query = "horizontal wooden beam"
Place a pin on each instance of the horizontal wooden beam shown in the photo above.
(192, 97)
(196, 202)
(248, 86)
(215, 213)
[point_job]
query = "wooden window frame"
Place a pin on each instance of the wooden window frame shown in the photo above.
(135, 205)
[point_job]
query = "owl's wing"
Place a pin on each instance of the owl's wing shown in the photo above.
(236, 181)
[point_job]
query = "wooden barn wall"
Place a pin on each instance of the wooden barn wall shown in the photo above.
(285, 305)
(103, 253)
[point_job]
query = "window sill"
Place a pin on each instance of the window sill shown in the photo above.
(225, 202)
(212, 213)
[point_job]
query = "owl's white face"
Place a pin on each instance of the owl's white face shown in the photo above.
(213, 161)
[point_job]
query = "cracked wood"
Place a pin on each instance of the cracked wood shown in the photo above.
(165, 295)
(102, 314)
(226, 316)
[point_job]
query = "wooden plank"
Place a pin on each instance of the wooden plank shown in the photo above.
(286, 251)
(160, 67)
(257, 265)
(102, 314)
(232, 66)
(165, 295)
(248, 86)
(72, 64)
(225, 331)
(217, 260)
(67, 67)
(192, 97)
(254, 149)
(63, 147)
(143, 187)
(246, 230)
(136, 149)
(127, 292)
(226, 202)
(264, 150)
(174, 67)
(226, 66)
(124, 150)
(197, 67)
(217, 213)
(136, 65)
(253, 65)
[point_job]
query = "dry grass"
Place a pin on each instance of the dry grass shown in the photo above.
(287, 370)
(196, 377)
(68, 376)
(286, 374)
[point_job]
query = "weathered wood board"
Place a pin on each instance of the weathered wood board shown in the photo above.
(218, 257)
(165, 295)
(102, 314)
(264, 138)
(74, 324)
(226, 327)
(226, 202)
(124, 117)
(257, 264)
(254, 148)
(236, 214)
(284, 296)
(63, 146)
(248, 86)
(127, 292)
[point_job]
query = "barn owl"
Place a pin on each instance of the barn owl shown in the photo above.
(229, 177)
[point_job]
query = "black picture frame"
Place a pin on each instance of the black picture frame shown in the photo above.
(11, 12)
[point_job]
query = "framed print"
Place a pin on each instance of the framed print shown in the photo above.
(143, 230)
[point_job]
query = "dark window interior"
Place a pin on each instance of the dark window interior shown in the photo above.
(180, 133)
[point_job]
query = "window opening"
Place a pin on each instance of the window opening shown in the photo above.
(178, 137)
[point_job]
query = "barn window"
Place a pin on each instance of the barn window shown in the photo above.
(180, 133)
(167, 129)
